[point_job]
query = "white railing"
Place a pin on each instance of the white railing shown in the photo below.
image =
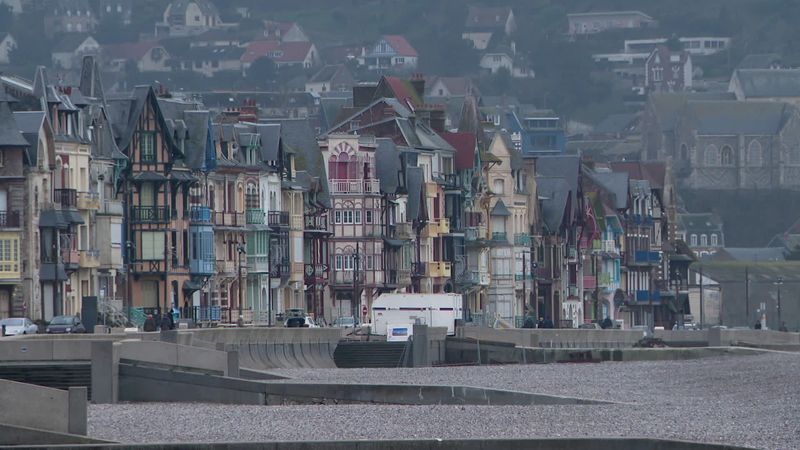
(369, 186)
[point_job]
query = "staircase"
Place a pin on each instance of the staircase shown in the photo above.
(353, 354)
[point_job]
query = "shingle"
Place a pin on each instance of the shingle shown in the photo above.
(751, 117)
(553, 195)
(270, 140)
(765, 83)
(414, 208)
(10, 135)
(387, 165)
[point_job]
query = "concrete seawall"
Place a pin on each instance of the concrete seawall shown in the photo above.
(32, 406)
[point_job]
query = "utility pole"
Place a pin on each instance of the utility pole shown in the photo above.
(779, 283)
(702, 303)
(746, 296)
(596, 288)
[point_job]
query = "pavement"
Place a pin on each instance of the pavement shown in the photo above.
(738, 400)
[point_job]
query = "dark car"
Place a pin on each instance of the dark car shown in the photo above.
(65, 325)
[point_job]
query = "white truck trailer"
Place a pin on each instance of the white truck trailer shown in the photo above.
(394, 315)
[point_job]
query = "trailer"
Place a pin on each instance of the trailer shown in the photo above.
(396, 312)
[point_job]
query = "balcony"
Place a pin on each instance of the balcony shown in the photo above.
(296, 222)
(110, 208)
(254, 216)
(431, 189)
(444, 226)
(445, 269)
(418, 269)
(572, 253)
(67, 198)
(346, 187)
(500, 237)
(278, 219)
(9, 219)
(228, 219)
(479, 277)
(438, 269)
(88, 200)
(10, 270)
(646, 258)
(647, 296)
(279, 269)
(70, 258)
(203, 267)
(522, 276)
(403, 231)
(431, 229)
(475, 234)
(589, 282)
(315, 273)
(149, 214)
(522, 240)
(89, 259)
(404, 277)
(604, 279)
(346, 277)
(257, 264)
(450, 180)
(226, 267)
(316, 223)
(200, 214)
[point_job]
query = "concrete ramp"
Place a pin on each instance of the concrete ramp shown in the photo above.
(275, 348)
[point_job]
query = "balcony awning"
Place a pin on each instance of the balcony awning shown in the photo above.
(500, 209)
(393, 242)
(190, 286)
(72, 216)
(182, 177)
(148, 176)
(258, 227)
(52, 219)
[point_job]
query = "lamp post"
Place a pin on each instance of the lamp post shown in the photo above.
(240, 249)
(779, 283)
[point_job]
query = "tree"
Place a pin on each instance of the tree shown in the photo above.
(262, 71)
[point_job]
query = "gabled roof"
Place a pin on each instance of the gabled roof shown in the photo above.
(400, 45)
(742, 117)
(281, 52)
(10, 135)
(456, 86)
(298, 136)
(465, 145)
(610, 13)
(387, 165)
(615, 183)
(29, 123)
(129, 50)
(178, 7)
(652, 171)
(553, 196)
(270, 140)
(490, 18)
(767, 83)
(566, 167)
(699, 222)
(70, 42)
(760, 61)
(500, 209)
(402, 89)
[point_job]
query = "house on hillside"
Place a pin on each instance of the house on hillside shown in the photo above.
(506, 57)
(668, 70)
(762, 61)
(284, 32)
(702, 232)
(189, 18)
(596, 22)
(438, 87)
(282, 53)
(69, 16)
(331, 78)
(14, 5)
(120, 10)
(7, 45)
(484, 23)
(750, 255)
(70, 50)
(149, 56)
(389, 52)
(766, 84)
(207, 61)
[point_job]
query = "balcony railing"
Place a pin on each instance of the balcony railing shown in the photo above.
(149, 214)
(341, 186)
(404, 276)
(647, 296)
(202, 267)
(278, 219)
(522, 239)
(315, 272)
(70, 257)
(67, 198)
(646, 257)
(110, 208)
(316, 223)
(499, 237)
(258, 264)
(255, 216)
(88, 200)
(474, 234)
(279, 269)
(226, 267)
(589, 282)
(228, 219)
(89, 259)
(403, 230)
(9, 219)
(200, 214)
(418, 269)
(522, 276)
(450, 180)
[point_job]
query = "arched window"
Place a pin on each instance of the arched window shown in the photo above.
(693, 241)
(754, 155)
(343, 163)
(684, 152)
(251, 196)
(727, 156)
(712, 155)
(703, 240)
(714, 240)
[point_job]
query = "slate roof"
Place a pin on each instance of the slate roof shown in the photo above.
(750, 117)
(298, 136)
(750, 254)
(668, 107)
(563, 166)
(290, 52)
(10, 135)
(212, 53)
(29, 123)
(553, 195)
(124, 112)
(500, 209)
(270, 140)
(763, 83)
(489, 18)
(615, 123)
(415, 209)
(652, 171)
(329, 110)
(387, 164)
(760, 61)
(699, 222)
(615, 183)
(129, 50)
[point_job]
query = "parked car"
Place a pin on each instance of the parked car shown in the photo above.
(15, 325)
(590, 326)
(300, 322)
(65, 325)
(345, 322)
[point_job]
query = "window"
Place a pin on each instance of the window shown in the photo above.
(149, 295)
(9, 255)
(108, 8)
(727, 156)
(693, 242)
(357, 216)
(152, 245)
(147, 146)
(348, 262)
(116, 234)
(754, 155)
(703, 240)
(147, 195)
(338, 263)
(2, 158)
(714, 240)
(369, 263)
(498, 186)
(347, 216)
(496, 58)
(368, 216)
(337, 217)
(712, 155)
(658, 74)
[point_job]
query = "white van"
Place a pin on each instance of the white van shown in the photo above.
(399, 310)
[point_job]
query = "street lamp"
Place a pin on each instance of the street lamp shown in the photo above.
(240, 249)
(779, 283)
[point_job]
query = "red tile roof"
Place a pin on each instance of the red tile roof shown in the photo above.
(400, 45)
(487, 17)
(464, 143)
(292, 52)
(129, 50)
(403, 91)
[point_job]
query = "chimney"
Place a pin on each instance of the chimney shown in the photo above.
(418, 82)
